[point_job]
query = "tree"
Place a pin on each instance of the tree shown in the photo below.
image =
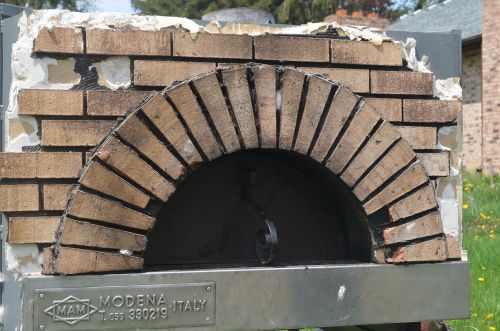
(76, 5)
(285, 11)
(408, 6)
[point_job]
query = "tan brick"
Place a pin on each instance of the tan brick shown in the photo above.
(436, 164)
(424, 226)
(401, 82)
(239, 97)
(224, 46)
(161, 113)
(103, 180)
(287, 48)
(317, 95)
(37, 229)
(59, 40)
(265, 90)
(55, 196)
(163, 73)
(366, 53)
(122, 158)
(419, 137)
(374, 148)
(210, 92)
(89, 206)
(91, 235)
(390, 109)
(453, 248)
(48, 258)
(357, 80)
(427, 251)
(40, 165)
(359, 128)
(50, 102)
(398, 157)
(137, 134)
(291, 90)
(93, 261)
(411, 178)
(187, 105)
(74, 132)
(128, 42)
(340, 110)
(113, 103)
(432, 111)
(417, 202)
(19, 197)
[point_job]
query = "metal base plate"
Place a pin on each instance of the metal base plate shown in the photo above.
(253, 298)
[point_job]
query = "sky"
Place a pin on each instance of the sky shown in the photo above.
(121, 6)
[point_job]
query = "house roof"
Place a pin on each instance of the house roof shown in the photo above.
(465, 15)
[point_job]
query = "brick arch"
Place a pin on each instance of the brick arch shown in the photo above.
(139, 164)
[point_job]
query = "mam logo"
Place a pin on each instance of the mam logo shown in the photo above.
(71, 310)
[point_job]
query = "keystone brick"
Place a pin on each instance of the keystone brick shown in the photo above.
(239, 96)
(362, 123)
(398, 157)
(432, 250)
(210, 92)
(28, 230)
(436, 164)
(431, 111)
(419, 137)
(340, 110)
(128, 42)
(417, 202)
(55, 196)
(137, 134)
(291, 89)
(187, 105)
(164, 73)
(374, 148)
(424, 226)
(59, 40)
(122, 158)
(390, 109)
(357, 80)
(411, 178)
(40, 165)
(103, 180)
(74, 132)
(224, 46)
(93, 261)
(366, 53)
(50, 102)
(19, 197)
(113, 103)
(265, 90)
(89, 206)
(286, 48)
(402, 82)
(91, 235)
(161, 113)
(317, 95)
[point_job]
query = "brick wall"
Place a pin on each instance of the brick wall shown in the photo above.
(491, 87)
(471, 76)
(35, 186)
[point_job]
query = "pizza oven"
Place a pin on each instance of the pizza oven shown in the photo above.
(220, 180)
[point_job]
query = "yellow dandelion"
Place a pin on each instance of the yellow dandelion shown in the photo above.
(491, 231)
(492, 236)
(492, 328)
(481, 279)
(489, 316)
(466, 206)
(466, 188)
(484, 216)
(483, 227)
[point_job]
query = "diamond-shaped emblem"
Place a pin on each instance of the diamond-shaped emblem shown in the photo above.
(71, 310)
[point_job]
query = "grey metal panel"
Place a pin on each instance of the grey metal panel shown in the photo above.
(292, 297)
(444, 50)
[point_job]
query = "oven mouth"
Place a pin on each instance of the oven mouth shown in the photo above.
(216, 214)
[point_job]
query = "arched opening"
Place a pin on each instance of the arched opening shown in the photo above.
(210, 221)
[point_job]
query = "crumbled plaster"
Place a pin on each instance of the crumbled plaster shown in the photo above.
(410, 54)
(114, 72)
(23, 259)
(448, 89)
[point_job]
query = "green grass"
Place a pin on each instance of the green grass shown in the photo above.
(482, 242)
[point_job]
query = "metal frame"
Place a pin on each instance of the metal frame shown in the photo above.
(269, 298)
